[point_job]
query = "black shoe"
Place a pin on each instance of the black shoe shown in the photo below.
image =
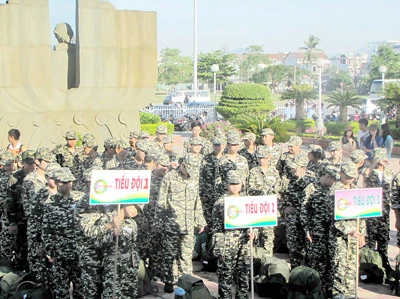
(168, 288)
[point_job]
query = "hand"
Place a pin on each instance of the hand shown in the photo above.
(252, 236)
(288, 210)
(201, 229)
(52, 259)
(116, 223)
(309, 238)
(361, 241)
(13, 229)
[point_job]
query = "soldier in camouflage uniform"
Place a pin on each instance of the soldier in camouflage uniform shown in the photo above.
(196, 130)
(316, 155)
(161, 132)
(33, 182)
(344, 241)
(232, 161)
(294, 145)
(137, 162)
(395, 204)
(7, 161)
(265, 180)
(143, 135)
(85, 159)
(208, 175)
(358, 157)
(14, 207)
(267, 138)
(231, 247)
(249, 150)
(59, 236)
(169, 150)
(108, 156)
(36, 254)
(64, 153)
(381, 176)
(178, 212)
(335, 159)
(316, 218)
(133, 138)
(290, 205)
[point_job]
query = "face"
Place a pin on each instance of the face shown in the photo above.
(64, 188)
(196, 131)
(294, 149)
(132, 141)
(247, 142)
(71, 142)
(168, 146)
(349, 132)
(130, 211)
(327, 180)
(217, 148)
(121, 152)
(345, 179)
(140, 155)
(196, 148)
(234, 188)
(9, 168)
(233, 148)
(264, 161)
(11, 138)
(29, 167)
(51, 183)
(336, 154)
(361, 126)
(160, 136)
(268, 139)
(161, 169)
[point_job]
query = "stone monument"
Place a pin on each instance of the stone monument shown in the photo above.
(97, 85)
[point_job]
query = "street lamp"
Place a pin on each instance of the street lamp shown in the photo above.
(383, 70)
(320, 122)
(195, 47)
(215, 69)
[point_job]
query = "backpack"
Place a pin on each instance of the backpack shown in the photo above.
(31, 290)
(145, 281)
(280, 240)
(194, 287)
(273, 278)
(371, 268)
(304, 283)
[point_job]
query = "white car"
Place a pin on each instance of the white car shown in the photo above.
(178, 97)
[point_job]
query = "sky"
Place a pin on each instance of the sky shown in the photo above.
(343, 26)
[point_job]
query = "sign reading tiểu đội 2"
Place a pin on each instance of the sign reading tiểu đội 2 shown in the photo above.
(120, 187)
(358, 203)
(250, 211)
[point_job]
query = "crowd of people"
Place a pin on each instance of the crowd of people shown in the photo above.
(50, 230)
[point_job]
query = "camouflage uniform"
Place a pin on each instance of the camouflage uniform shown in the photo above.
(207, 187)
(178, 212)
(395, 204)
(356, 157)
(109, 162)
(231, 247)
(287, 157)
(333, 146)
(59, 236)
(378, 228)
(343, 245)
(268, 183)
(316, 168)
(292, 197)
(173, 156)
(62, 153)
(206, 149)
(133, 164)
(316, 218)
(251, 158)
(276, 149)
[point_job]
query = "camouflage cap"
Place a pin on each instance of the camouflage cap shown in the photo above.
(331, 171)
(349, 169)
(301, 160)
(7, 158)
(122, 143)
(28, 156)
(249, 136)
(264, 152)
(89, 140)
(233, 177)
(358, 155)
(161, 129)
(64, 174)
(380, 154)
(142, 145)
(219, 140)
(144, 134)
(233, 133)
(168, 139)
(315, 148)
(295, 140)
(70, 135)
(218, 131)
(195, 140)
(163, 160)
(334, 146)
(87, 174)
(134, 135)
(234, 139)
(44, 153)
(267, 131)
(51, 169)
(110, 142)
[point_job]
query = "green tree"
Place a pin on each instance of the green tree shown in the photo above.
(344, 99)
(206, 60)
(391, 100)
(174, 68)
(254, 57)
(243, 99)
(337, 78)
(387, 57)
(311, 50)
(274, 74)
(299, 93)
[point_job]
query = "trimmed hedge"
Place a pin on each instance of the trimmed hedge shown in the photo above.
(151, 128)
(149, 118)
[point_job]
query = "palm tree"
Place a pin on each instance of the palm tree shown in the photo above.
(299, 93)
(344, 99)
(311, 49)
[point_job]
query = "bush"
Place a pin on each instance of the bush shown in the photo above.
(149, 118)
(299, 126)
(208, 129)
(152, 128)
(244, 98)
(396, 133)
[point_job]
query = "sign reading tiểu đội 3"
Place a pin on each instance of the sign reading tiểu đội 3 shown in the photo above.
(120, 187)
(358, 203)
(250, 211)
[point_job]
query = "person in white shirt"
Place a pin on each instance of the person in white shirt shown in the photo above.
(363, 133)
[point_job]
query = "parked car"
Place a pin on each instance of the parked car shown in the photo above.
(181, 97)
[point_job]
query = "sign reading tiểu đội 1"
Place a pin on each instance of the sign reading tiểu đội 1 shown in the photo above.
(358, 203)
(250, 211)
(120, 187)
